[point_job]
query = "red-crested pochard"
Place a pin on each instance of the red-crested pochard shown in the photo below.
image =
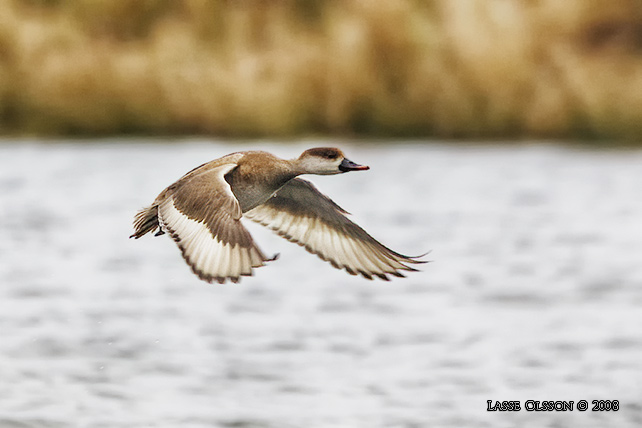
(202, 212)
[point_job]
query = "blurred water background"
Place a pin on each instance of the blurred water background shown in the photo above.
(503, 136)
(534, 292)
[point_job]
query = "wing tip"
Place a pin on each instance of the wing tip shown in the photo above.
(410, 259)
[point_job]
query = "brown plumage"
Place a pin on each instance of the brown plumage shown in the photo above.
(202, 212)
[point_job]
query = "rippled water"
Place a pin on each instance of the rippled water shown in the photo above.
(534, 292)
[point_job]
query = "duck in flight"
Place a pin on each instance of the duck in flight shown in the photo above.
(202, 212)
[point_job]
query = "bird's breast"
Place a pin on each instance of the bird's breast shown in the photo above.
(253, 191)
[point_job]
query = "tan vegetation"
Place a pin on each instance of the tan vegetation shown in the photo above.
(446, 68)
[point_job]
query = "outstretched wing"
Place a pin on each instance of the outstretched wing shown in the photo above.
(202, 216)
(302, 214)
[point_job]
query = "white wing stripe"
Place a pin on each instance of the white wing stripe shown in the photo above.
(303, 215)
(366, 258)
(208, 257)
(353, 254)
(343, 253)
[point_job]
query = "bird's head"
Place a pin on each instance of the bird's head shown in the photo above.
(327, 161)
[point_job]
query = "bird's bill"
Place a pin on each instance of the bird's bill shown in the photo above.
(347, 165)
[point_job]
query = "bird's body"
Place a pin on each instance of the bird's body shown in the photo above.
(202, 211)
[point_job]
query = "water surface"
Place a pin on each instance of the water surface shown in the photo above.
(534, 292)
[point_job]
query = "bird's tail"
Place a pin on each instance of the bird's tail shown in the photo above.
(145, 221)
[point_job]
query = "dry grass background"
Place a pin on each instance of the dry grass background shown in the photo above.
(446, 68)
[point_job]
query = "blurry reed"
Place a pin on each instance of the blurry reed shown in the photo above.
(443, 68)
